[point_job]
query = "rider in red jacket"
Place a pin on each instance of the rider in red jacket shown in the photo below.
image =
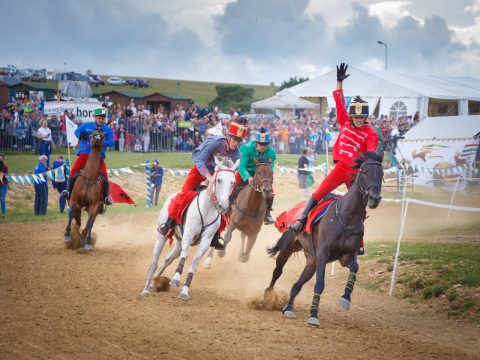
(356, 136)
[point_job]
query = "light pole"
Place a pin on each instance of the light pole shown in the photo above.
(382, 43)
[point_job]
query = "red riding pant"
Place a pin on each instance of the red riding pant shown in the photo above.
(341, 174)
(186, 195)
(82, 161)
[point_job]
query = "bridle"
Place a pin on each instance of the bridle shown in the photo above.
(258, 187)
(213, 188)
(364, 190)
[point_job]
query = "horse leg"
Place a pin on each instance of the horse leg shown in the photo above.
(92, 215)
(202, 249)
(344, 300)
(208, 261)
(172, 255)
(306, 275)
(227, 238)
(157, 250)
(175, 281)
(243, 236)
(245, 256)
(280, 262)
(318, 289)
(67, 237)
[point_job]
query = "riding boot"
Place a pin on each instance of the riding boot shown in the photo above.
(166, 226)
(268, 217)
(106, 193)
(216, 242)
(65, 194)
(297, 225)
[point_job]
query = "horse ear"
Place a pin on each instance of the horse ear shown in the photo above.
(255, 161)
(217, 162)
(270, 161)
(236, 165)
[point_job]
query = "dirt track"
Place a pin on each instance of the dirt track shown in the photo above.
(56, 304)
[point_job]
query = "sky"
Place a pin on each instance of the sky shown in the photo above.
(241, 41)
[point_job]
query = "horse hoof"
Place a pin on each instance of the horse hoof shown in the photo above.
(289, 314)
(221, 253)
(183, 296)
(145, 293)
(244, 258)
(175, 282)
(344, 303)
(313, 322)
(67, 239)
(88, 247)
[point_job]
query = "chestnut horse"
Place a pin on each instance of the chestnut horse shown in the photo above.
(87, 193)
(249, 210)
(336, 236)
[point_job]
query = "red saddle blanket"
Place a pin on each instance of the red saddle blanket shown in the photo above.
(295, 212)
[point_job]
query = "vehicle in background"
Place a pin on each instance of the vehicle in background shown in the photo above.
(130, 82)
(50, 74)
(116, 81)
(95, 80)
(141, 83)
(39, 75)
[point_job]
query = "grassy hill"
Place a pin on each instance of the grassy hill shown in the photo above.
(201, 92)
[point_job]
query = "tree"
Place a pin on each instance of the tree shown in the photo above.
(233, 96)
(292, 82)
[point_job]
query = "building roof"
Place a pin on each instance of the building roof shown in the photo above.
(445, 127)
(174, 96)
(37, 85)
(376, 83)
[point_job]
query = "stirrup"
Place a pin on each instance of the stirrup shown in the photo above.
(296, 226)
(216, 242)
(65, 194)
(268, 220)
(108, 201)
(361, 251)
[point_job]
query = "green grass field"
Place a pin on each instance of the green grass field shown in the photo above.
(22, 163)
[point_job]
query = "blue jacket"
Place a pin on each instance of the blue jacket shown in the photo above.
(204, 155)
(85, 147)
(40, 169)
(157, 180)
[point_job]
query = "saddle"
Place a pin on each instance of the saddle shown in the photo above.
(295, 212)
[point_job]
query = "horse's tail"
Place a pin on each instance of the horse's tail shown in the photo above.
(287, 238)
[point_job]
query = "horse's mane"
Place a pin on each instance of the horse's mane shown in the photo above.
(369, 155)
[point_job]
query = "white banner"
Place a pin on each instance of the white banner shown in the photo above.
(82, 111)
(71, 127)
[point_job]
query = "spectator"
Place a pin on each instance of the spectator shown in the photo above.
(44, 134)
(302, 174)
(121, 134)
(41, 189)
(59, 183)
(156, 174)
(3, 184)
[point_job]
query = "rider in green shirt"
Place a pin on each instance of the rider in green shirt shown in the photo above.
(258, 149)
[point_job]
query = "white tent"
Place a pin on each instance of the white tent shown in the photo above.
(283, 102)
(440, 148)
(400, 94)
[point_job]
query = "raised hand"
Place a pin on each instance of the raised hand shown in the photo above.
(342, 72)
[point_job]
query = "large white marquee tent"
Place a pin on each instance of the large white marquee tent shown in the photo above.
(398, 94)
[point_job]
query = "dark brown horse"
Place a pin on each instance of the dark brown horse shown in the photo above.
(87, 193)
(248, 210)
(336, 237)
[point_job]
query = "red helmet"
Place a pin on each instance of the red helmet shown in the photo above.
(238, 128)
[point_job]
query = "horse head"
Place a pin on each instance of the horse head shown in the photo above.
(98, 137)
(263, 179)
(369, 178)
(222, 184)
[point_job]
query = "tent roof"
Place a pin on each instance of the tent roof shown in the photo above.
(445, 127)
(388, 84)
(284, 100)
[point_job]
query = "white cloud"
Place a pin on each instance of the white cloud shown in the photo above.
(390, 12)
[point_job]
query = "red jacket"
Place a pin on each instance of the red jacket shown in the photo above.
(351, 140)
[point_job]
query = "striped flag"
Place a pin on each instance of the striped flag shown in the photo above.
(469, 150)
(71, 127)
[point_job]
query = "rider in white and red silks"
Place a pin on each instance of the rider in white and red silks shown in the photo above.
(204, 168)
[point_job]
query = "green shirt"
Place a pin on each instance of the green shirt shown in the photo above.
(250, 152)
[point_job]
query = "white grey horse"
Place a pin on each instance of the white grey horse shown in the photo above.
(200, 224)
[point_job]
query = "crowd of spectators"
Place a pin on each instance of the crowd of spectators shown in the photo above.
(139, 129)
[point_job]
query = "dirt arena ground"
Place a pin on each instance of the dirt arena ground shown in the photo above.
(57, 304)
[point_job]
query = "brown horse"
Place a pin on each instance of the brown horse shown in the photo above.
(87, 193)
(336, 237)
(249, 210)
